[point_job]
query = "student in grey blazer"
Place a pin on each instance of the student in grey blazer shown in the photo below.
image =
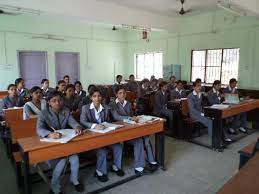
(160, 105)
(195, 108)
(132, 85)
(45, 88)
(121, 109)
(239, 121)
(179, 91)
(50, 120)
(118, 83)
(92, 116)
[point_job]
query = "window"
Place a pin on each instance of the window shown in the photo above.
(149, 64)
(215, 64)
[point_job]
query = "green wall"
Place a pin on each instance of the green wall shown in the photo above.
(212, 30)
(103, 52)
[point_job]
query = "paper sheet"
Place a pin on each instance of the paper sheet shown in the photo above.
(67, 135)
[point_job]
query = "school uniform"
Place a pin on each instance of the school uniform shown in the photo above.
(115, 86)
(9, 102)
(160, 108)
(241, 119)
(30, 107)
(84, 101)
(132, 86)
(72, 103)
(171, 86)
(89, 118)
(47, 119)
(23, 93)
(142, 101)
(45, 93)
(214, 97)
(195, 110)
(178, 94)
(82, 93)
(124, 111)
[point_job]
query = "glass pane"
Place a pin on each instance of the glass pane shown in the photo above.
(139, 66)
(230, 65)
(198, 72)
(198, 58)
(149, 65)
(212, 74)
(214, 57)
(158, 65)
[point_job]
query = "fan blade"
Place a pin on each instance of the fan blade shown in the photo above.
(182, 12)
(10, 13)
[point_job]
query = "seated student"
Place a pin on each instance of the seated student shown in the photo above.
(12, 100)
(121, 109)
(79, 89)
(152, 77)
(160, 105)
(66, 79)
(179, 91)
(71, 101)
(172, 84)
(32, 108)
(202, 87)
(239, 121)
(144, 88)
(142, 100)
(61, 87)
(118, 82)
(195, 108)
(21, 90)
(87, 99)
(132, 85)
(92, 115)
(45, 88)
(50, 120)
(154, 85)
(215, 97)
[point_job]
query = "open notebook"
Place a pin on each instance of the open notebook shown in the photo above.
(67, 135)
(142, 119)
(108, 127)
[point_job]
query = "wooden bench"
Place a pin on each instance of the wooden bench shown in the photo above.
(3, 94)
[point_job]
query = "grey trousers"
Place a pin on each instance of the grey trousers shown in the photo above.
(139, 158)
(101, 154)
(205, 121)
(148, 148)
(58, 167)
(240, 121)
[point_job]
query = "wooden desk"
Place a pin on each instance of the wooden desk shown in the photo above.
(219, 114)
(3, 94)
(245, 181)
(13, 114)
(35, 151)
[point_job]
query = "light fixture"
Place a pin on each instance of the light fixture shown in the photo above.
(20, 9)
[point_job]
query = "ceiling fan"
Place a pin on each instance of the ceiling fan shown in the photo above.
(2, 12)
(183, 11)
(47, 37)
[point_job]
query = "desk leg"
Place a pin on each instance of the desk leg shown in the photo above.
(217, 133)
(160, 149)
(26, 171)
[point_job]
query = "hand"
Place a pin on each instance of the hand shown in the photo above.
(79, 131)
(55, 135)
(99, 127)
(136, 119)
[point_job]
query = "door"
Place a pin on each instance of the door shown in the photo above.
(33, 67)
(67, 63)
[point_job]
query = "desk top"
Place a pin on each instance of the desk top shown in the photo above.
(245, 181)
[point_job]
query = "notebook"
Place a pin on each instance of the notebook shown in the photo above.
(108, 127)
(231, 99)
(67, 135)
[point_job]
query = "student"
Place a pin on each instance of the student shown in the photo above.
(21, 90)
(66, 79)
(50, 120)
(202, 87)
(154, 85)
(45, 88)
(142, 98)
(32, 108)
(71, 100)
(160, 105)
(195, 108)
(87, 99)
(144, 88)
(239, 121)
(92, 115)
(172, 84)
(118, 82)
(179, 91)
(132, 85)
(79, 89)
(61, 87)
(12, 100)
(121, 109)
(152, 77)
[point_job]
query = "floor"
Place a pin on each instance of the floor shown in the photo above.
(190, 169)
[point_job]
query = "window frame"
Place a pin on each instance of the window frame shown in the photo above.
(206, 59)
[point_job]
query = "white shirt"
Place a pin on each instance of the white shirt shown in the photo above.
(97, 113)
(124, 102)
(45, 90)
(232, 90)
(217, 92)
(176, 89)
(195, 94)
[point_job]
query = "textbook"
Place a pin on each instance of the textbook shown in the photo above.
(142, 119)
(108, 127)
(67, 135)
(219, 106)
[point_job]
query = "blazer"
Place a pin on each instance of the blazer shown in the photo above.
(24, 93)
(47, 119)
(46, 93)
(213, 97)
(142, 92)
(132, 86)
(82, 93)
(177, 95)
(87, 116)
(120, 112)
(228, 91)
(160, 103)
(73, 103)
(194, 104)
(9, 102)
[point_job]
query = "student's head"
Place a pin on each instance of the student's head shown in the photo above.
(172, 79)
(160, 80)
(120, 93)
(61, 86)
(66, 78)
(70, 90)
(197, 86)
(95, 95)
(154, 83)
(119, 78)
(132, 78)
(233, 83)
(217, 85)
(19, 82)
(163, 86)
(198, 80)
(36, 93)
(179, 85)
(55, 100)
(145, 83)
(90, 87)
(12, 90)
(78, 86)
(152, 77)
(44, 83)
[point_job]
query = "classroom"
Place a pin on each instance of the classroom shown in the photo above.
(126, 96)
